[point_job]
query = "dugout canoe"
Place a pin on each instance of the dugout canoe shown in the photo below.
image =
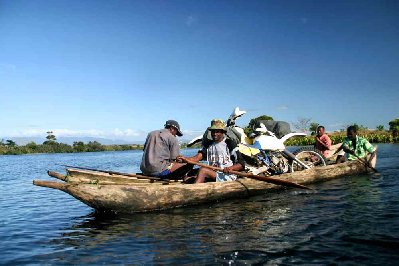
(123, 197)
(95, 176)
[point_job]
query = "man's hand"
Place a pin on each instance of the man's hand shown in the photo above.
(234, 168)
(227, 170)
(321, 142)
(347, 150)
(181, 159)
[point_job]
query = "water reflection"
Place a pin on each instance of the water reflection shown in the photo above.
(190, 235)
(277, 228)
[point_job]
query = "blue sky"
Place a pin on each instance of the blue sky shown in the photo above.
(119, 69)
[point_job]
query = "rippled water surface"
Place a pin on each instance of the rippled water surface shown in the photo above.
(353, 220)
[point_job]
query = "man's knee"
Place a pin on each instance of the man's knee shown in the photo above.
(340, 159)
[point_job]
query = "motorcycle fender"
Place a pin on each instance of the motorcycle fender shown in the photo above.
(294, 134)
(194, 141)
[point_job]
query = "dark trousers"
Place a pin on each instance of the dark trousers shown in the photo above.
(181, 172)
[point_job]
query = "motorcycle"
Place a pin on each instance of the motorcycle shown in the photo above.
(264, 152)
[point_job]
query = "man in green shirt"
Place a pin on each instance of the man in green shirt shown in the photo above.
(357, 147)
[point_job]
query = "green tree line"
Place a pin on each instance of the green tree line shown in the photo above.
(9, 147)
(373, 136)
(91, 146)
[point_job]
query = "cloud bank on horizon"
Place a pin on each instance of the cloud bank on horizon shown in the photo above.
(115, 134)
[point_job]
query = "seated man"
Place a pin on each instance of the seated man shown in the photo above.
(323, 141)
(160, 150)
(356, 147)
(222, 152)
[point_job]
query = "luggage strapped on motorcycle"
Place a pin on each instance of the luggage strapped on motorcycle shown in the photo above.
(279, 128)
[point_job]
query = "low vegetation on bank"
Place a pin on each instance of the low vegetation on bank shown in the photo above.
(55, 147)
(373, 136)
(9, 147)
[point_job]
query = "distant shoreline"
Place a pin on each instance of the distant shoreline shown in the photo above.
(11, 148)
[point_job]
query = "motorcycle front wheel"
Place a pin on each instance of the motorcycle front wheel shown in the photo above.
(308, 156)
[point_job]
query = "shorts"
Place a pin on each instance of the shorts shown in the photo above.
(222, 177)
(166, 171)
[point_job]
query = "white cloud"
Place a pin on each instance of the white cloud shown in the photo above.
(282, 107)
(115, 133)
(125, 133)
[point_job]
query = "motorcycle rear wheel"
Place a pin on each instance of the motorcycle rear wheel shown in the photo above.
(308, 156)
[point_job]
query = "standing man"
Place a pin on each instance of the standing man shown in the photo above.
(222, 152)
(323, 141)
(160, 151)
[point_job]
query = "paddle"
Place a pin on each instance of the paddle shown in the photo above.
(117, 173)
(366, 163)
(257, 177)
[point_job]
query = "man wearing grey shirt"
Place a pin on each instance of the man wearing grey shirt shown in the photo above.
(160, 151)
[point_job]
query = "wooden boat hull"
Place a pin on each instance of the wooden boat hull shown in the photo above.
(141, 197)
(95, 177)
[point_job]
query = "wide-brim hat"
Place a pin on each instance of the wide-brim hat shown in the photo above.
(218, 124)
(175, 124)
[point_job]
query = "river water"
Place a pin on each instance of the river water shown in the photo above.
(353, 220)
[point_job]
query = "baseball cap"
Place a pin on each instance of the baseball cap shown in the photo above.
(175, 124)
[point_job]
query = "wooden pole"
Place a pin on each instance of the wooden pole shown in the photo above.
(367, 164)
(57, 175)
(50, 184)
(261, 178)
(117, 173)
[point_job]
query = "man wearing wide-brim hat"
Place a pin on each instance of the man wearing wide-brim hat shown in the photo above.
(222, 152)
(160, 151)
(218, 124)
